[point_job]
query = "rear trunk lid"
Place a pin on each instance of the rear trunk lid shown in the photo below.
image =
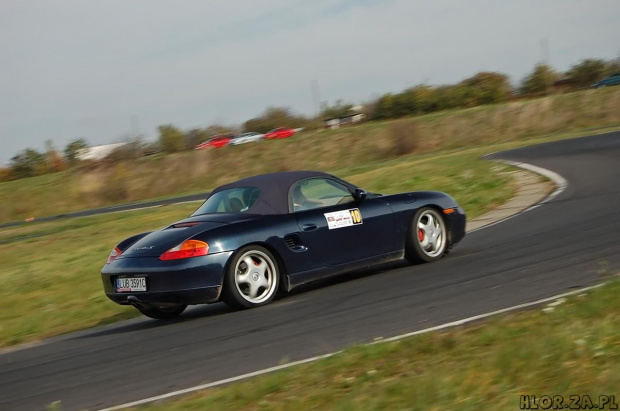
(160, 241)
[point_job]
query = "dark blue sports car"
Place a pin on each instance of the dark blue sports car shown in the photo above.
(272, 232)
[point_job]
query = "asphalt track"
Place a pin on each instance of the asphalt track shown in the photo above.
(569, 242)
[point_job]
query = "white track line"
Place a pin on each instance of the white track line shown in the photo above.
(486, 315)
(312, 359)
(220, 382)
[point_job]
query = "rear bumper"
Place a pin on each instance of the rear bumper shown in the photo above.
(195, 280)
(202, 295)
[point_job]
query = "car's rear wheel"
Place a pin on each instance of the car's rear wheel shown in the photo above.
(162, 312)
(427, 236)
(252, 278)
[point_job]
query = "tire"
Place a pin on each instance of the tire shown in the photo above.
(162, 313)
(427, 238)
(252, 278)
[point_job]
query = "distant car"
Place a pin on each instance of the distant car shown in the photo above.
(280, 132)
(612, 80)
(249, 137)
(216, 142)
(272, 232)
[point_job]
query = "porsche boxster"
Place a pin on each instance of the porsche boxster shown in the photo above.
(265, 234)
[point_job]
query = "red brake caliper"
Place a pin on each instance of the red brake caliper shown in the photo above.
(420, 235)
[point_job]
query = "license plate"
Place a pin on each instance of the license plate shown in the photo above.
(124, 285)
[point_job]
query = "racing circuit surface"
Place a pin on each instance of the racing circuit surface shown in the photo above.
(566, 243)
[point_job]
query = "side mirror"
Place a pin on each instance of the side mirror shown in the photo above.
(359, 194)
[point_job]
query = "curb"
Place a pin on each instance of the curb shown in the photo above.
(559, 181)
(531, 193)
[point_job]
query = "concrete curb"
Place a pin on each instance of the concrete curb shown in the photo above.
(531, 192)
(559, 181)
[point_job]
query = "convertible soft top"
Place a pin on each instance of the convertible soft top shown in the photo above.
(274, 189)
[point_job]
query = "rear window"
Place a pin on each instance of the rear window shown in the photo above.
(233, 200)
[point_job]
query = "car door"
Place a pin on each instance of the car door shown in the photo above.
(337, 229)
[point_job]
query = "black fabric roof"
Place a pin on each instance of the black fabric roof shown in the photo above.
(274, 189)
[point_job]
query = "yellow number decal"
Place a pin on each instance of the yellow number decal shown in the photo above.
(356, 216)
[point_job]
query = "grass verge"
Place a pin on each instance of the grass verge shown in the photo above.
(571, 348)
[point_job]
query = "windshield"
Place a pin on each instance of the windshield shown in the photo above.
(233, 200)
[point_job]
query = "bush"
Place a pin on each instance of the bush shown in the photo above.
(404, 138)
(171, 139)
(5, 174)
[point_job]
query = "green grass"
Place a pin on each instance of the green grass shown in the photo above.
(569, 349)
(49, 278)
(50, 284)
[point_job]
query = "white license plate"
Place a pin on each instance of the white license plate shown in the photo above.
(130, 284)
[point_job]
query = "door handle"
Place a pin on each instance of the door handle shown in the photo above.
(309, 227)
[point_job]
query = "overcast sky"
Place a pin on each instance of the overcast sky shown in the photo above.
(101, 70)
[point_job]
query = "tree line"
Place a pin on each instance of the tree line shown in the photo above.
(490, 88)
(481, 89)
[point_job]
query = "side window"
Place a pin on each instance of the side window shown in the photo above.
(319, 192)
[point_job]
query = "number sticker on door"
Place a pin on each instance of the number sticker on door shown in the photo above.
(344, 218)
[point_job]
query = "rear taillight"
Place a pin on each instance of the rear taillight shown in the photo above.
(113, 255)
(187, 249)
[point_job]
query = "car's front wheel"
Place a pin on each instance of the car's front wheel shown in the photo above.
(427, 237)
(162, 312)
(252, 278)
